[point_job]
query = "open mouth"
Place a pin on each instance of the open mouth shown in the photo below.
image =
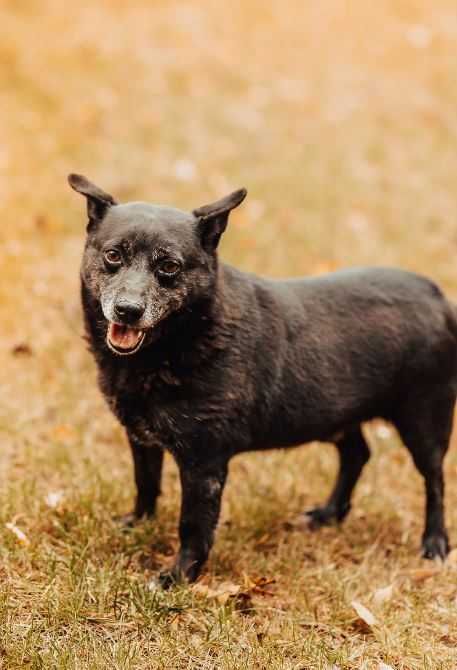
(124, 340)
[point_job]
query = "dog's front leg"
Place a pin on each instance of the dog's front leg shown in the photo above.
(200, 506)
(147, 463)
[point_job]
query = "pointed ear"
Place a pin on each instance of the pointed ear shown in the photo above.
(212, 219)
(98, 202)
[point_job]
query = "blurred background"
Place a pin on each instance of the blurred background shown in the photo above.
(339, 117)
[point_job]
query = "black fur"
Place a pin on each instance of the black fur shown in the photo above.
(232, 362)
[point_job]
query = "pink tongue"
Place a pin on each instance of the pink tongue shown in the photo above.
(123, 337)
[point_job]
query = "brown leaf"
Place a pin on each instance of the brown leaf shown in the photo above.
(221, 594)
(22, 349)
(248, 583)
(366, 619)
(240, 595)
(225, 591)
(256, 585)
(448, 640)
(421, 574)
(41, 221)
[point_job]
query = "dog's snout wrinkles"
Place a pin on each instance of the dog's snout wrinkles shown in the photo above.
(128, 312)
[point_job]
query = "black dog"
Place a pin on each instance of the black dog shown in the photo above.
(205, 361)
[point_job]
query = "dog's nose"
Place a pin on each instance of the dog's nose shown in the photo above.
(128, 312)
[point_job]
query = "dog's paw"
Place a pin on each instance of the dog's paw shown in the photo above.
(324, 516)
(168, 578)
(184, 571)
(320, 516)
(132, 518)
(435, 546)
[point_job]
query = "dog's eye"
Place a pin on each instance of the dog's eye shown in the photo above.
(169, 267)
(112, 257)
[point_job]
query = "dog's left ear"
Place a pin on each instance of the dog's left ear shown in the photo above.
(97, 200)
(213, 218)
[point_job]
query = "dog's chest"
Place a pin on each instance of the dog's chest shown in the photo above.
(142, 402)
(162, 410)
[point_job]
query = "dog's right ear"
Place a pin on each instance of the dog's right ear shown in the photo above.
(213, 218)
(98, 202)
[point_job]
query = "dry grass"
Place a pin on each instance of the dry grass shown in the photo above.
(340, 119)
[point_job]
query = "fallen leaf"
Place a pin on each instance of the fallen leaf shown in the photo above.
(248, 582)
(365, 618)
(22, 349)
(382, 595)
(222, 593)
(421, 574)
(240, 595)
(448, 640)
(203, 590)
(41, 221)
(20, 535)
(63, 433)
(225, 591)
(259, 586)
(53, 498)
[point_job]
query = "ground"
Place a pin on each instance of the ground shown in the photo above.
(339, 118)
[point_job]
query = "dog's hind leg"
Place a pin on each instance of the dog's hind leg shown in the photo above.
(425, 424)
(353, 454)
(147, 463)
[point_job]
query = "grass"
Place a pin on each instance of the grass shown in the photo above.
(340, 120)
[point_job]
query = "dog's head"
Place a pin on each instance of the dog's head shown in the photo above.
(143, 263)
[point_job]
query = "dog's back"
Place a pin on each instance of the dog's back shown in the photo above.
(318, 354)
